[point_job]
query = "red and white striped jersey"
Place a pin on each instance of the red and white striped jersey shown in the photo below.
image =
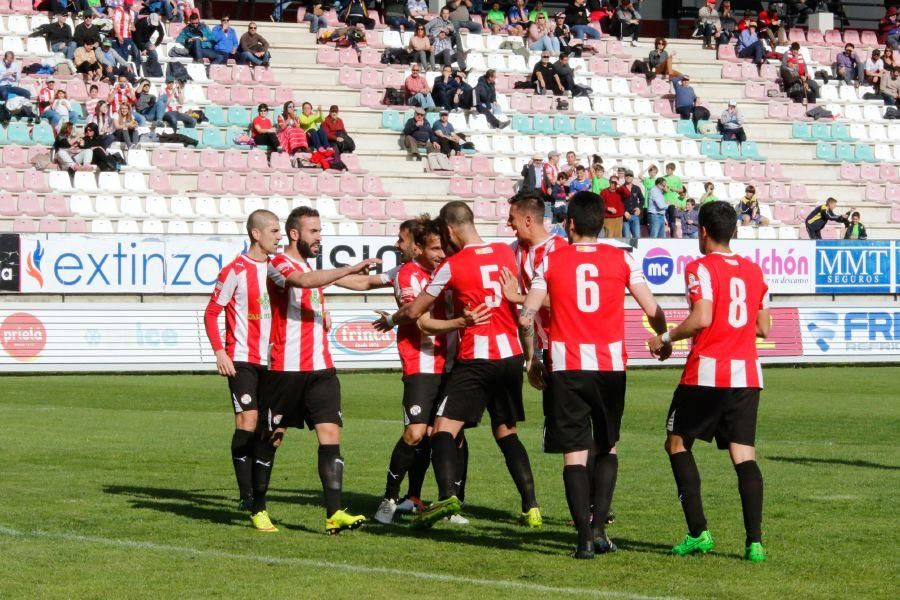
(241, 289)
(587, 283)
(299, 340)
(419, 353)
(724, 354)
(473, 277)
(123, 20)
(529, 259)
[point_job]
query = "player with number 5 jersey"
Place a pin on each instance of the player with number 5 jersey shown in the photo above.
(718, 396)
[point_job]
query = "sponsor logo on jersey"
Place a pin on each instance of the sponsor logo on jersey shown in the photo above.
(359, 337)
(658, 266)
(485, 250)
(415, 410)
(246, 399)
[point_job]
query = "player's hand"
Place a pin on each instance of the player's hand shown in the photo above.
(224, 365)
(510, 286)
(537, 374)
(363, 267)
(479, 315)
(658, 348)
(381, 324)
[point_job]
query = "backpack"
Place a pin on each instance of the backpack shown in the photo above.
(177, 72)
(891, 112)
(152, 68)
(393, 97)
(562, 104)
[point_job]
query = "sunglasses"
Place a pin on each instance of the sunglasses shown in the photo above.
(262, 110)
(252, 28)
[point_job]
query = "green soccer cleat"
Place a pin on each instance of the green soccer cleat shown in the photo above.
(532, 518)
(755, 552)
(262, 522)
(342, 520)
(701, 544)
(437, 511)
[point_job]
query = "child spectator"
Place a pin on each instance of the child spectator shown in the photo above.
(854, 230)
(689, 219)
(559, 197)
(748, 209)
(598, 181)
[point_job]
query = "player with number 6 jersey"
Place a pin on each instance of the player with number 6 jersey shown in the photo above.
(718, 396)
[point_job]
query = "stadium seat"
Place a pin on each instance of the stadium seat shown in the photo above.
(711, 149)
(212, 160)
(862, 152)
(542, 125)
(238, 116)
(826, 152)
(749, 151)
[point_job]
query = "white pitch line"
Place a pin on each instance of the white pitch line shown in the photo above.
(495, 583)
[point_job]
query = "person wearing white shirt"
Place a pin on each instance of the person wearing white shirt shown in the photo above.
(874, 69)
(9, 78)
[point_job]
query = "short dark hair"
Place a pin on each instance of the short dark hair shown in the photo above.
(427, 227)
(795, 46)
(457, 213)
(585, 210)
(659, 180)
(672, 166)
(855, 213)
(529, 201)
(719, 219)
(293, 220)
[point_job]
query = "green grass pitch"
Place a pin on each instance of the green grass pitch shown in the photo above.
(122, 487)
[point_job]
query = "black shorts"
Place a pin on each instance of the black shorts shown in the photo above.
(548, 443)
(586, 410)
(727, 414)
(245, 386)
(420, 395)
(295, 399)
(474, 385)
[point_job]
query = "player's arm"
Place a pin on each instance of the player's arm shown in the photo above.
(325, 277)
(221, 295)
(763, 323)
(405, 314)
(699, 319)
(363, 283)
(536, 297)
(431, 326)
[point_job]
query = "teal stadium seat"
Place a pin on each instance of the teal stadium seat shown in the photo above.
(584, 125)
(563, 125)
(686, 127)
(731, 150)
(239, 116)
(542, 124)
(605, 127)
(522, 124)
(42, 134)
(844, 153)
(214, 137)
(192, 132)
(76, 111)
(216, 115)
(3, 138)
(710, 148)
(232, 134)
(750, 151)
(825, 152)
(390, 119)
(864, 153)
(822, 132)
(17, 133)
(432, 117)
(841, 132)
(800, 131)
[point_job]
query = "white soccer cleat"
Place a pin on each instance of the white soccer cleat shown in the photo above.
(385, 512)
(410, 504)
(458, 520)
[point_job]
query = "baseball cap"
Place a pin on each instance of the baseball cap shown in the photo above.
(553, 153)
(732, 102)
(537, 156)
(86, 14)
(51, 80)
(106, 42)
(420, 111)
(444, 112)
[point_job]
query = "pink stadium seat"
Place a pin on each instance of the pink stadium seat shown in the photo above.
(814, 37)
(797, 112)
(798, 193)
(327, 55)
(218, 94)
(280, 161)
(234, 160)
(832, 233)
(76, 90)
(502, 83)
(348, 56)
(351, 161)
(755, 89)
(374, 208)
(301, 12)
(175, 29)
(796, 34)
(256, 183)
(503, 188)
(851, 36)
(9, 205)
(734, 170)
(542, 104)
(207, 183)
(778, 110)
(283, 94)
(15, 156)
(874, 192)
(614, 48)
(731, 71)
(370, 98)
(755, 171)
(726, 52)
(849, 172)
(599, 66)
(10, 180)
(220, 74)
(35, 181)
(619, 68)
(888, 172)
(519, 102)
(304, 184)
(640, 87)
(658, 87)
(501, 208)
(833, 38)
(264, 75)
(484, 209)
(504, 230)
(462, 187)
(234, 183)
(777, 191)
(762, 192)
(351, 208)
(31, 205)
(187, 160)
(241, 95)
(242, 75)
(349, 76)
(255, 161)
(868, 39)
(370, 57)
(373, 40)
(895, 213)
(774, 173)
(57, 205)
(370, 78)
(394, 77)
(783, 213)
(821, 55)
(482, 165)
(163, 159)
(396, 209)
(483, 187)
(769, 72)
(350, 185)
(373, 228)
(868, 172)
(749, 72)
(663, 106)
(211, 160)
(76, 226)
(51, 225)
(281, 184)
(372, 185)
(25, 225)
(892, 192)
(460, 164)
(328, 184)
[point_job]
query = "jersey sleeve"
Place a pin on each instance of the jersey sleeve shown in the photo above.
(541, 275)
(406, 290)
(635, 273)
(280, 270)
(390, 276)
(698, 282)
(225, 286)
(440, 280)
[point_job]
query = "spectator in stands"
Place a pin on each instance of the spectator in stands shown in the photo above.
(355, 12)
(58, 35)
(416, 89)
(419, 47)
(633, 199)
(10, 74)
(93, 141)
(417, 10)
(290, 135)
(87, 29)
(225, 41)
(533, 174)
(887, 57)
(396, 15)
(447, 138)
(580, 182)
(114, 66)
(172, 99)
(536, 11)
(558, 200)
(550, 171)
(854, 230)
(62, 106)
(598, 181)
(283, 5)
(627, 21)
(890, 86)
(145, 28)
(748, 209)
(656, 208)
(102, 118)
(708, 193)
(464, 98)
(613, 199)
(847, 68)
(517, 19)
(659, 60)
(539, 37)
(123, 29)
(771, 28)
(121, 93)
(543, 76)
(239, 10)
(311, 123)
(315, 14)
(689, 219)
(562, 33)
(459, 16)
(817, 219)
(731, 124)
(686, 101)
(749, 46)
(674, 189)
(253, 48)
(708, 23)
(444, 88)
(264, 133)
(146, 103)
(874, 69)
(67, 152)
(578, 19)
(795, 78)
(496, 19)
(442, 51)
(728, 24)
(799, 10)
(889, 29)
(197, 38)
(46, 96)
(337, 135)
(90, 105)
(564, 75)
(417, 133)
(486, 99)
(126, 126)
(569, 166)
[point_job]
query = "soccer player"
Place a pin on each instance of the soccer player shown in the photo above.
(423, 359)
(302, 385)
(487, 373)
(586, 284)
(718, 395)
(241, 291)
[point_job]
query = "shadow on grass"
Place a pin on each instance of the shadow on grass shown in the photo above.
(807, 460)
(215, 506)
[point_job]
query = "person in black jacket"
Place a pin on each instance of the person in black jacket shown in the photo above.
(443, 90)
(820, 215)
(58, 36)
(417, 133)
(86, 30)
(486, 98)
(854, 230)
(577, 18)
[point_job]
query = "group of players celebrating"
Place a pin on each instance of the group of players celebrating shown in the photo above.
(473, 319)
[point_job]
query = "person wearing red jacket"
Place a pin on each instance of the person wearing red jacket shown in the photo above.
(334, 129)
(614, 200)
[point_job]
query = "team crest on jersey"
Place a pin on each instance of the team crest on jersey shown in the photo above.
(315, 297)
(486, 250)
(693, 282)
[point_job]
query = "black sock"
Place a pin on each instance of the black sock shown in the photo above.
(401, 459)
(606, 469)
(443, 458)
(462, 466)
(577, 484)
(419, 467)
(331, 473)
(264, 460)
(750, 485)
(687, 478)
(242, 458)
(592, 455)
(520, 469)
